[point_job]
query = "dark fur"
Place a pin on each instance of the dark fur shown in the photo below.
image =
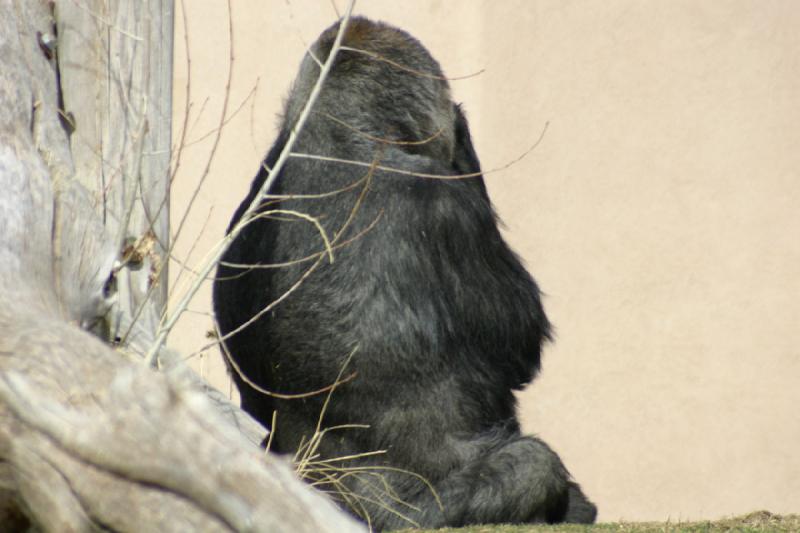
(443, 321)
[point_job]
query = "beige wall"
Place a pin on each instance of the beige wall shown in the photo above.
(660, 214)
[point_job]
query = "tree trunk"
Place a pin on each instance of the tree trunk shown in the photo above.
(90, 438)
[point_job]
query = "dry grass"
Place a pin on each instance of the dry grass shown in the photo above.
(754, 522)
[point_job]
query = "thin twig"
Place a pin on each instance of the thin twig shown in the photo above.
(421, 174)
(218, 137)
(239, 372)
(274, 172)
(228, 118)
(267, 266)
(416, 72)
(381, 139)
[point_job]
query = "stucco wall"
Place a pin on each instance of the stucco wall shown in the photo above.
(660, 214)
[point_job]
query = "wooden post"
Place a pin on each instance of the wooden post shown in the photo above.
(115, 64)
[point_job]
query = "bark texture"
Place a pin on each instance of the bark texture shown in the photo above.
(90, 438)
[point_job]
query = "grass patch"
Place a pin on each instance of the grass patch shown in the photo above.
(759, 521)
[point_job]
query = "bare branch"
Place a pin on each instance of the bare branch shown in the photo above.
(273, 174)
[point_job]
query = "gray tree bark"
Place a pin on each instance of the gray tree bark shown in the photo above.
(90, 438)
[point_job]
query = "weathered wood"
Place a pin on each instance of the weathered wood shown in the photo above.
(94, 439)
(90, 439)
(115, 64)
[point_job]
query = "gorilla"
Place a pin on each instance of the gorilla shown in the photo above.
(377, 321)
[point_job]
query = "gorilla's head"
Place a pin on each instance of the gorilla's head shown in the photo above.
(379, 70)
